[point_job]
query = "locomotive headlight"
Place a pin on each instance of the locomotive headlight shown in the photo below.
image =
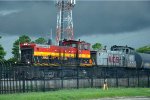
(28, 62)
(25, 44)
(84, 72)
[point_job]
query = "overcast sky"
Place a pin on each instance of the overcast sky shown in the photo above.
(120, 22)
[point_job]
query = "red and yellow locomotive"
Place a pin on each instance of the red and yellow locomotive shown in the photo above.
(71, 53)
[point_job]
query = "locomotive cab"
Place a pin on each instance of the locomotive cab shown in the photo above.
(70, 43)
(81, 45)
(83, 55)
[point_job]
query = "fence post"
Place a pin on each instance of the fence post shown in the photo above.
(148, 78)
(44, 80)
(92, 71)
(138, 76)
(20, 78)
(6, 67)
(13, 77)
(77, 77)
(62, 83)
(32, 72)
(17, 76)
(128, 80)
(23, 76)
(4, 77)
(116, 77)
(1, 66)
(9, 71)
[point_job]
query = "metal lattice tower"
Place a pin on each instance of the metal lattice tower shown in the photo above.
(64, 29)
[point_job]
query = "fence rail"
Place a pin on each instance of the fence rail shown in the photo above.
(14, 79)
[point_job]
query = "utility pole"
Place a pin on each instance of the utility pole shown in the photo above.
(64, 29)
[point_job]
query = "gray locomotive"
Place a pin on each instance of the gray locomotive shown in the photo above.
(120, 56)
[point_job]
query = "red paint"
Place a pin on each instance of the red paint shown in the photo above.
(57, 49)
(114, 59)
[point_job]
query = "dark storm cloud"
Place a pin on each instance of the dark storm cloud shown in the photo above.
(32, 17)
(111, 17)
(89, 17)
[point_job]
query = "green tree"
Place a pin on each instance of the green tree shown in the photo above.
(143, 49)
(2, 52)
(11, 60)
(40, 41)
(15, 49)
(97, 46)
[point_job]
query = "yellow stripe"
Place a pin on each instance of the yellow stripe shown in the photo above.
(84, 55)
(62, 54)
(54, 54)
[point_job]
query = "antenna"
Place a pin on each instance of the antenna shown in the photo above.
(51, 34)
(64, 28)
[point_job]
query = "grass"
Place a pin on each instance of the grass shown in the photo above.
(74, 94)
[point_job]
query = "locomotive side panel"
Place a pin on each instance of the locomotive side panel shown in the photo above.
(115, 58)
(131, 60)
(109, 58)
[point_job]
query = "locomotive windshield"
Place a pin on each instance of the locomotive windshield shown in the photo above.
(84, 46)
(26, 55)
(26, 52)
(71, 45)
(74, 45)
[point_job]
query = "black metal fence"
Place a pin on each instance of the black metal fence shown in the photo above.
(14, 79)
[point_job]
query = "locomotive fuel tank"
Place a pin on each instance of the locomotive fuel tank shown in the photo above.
(143, 60)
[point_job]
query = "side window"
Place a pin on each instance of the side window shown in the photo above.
(80, 46)
(85, 47)
(68, 45)
(127, 50)
(74, 45)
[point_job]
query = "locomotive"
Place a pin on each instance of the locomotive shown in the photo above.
(69, 53)
(121, 56)
(117, 56)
